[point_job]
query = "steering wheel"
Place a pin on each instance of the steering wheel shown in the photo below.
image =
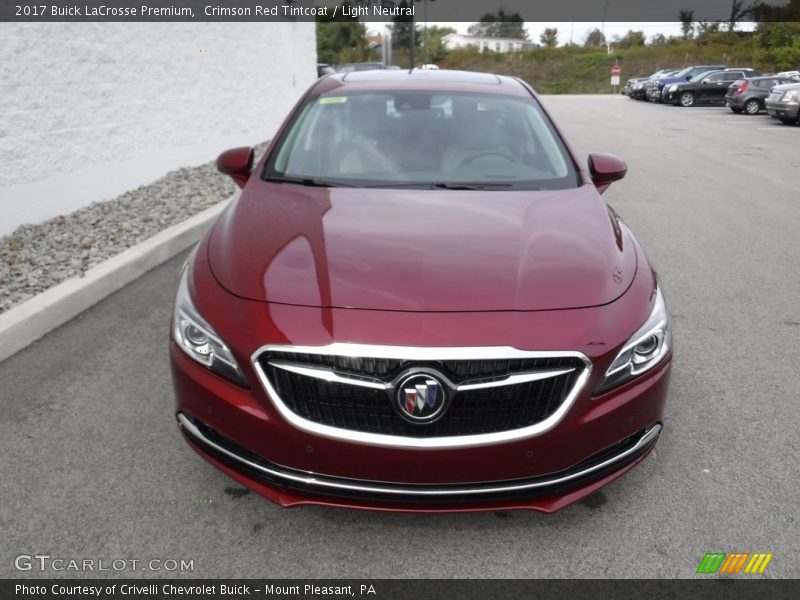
(484, 153)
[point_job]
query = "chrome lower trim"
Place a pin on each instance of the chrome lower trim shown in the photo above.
(420, 354)
(323, 482)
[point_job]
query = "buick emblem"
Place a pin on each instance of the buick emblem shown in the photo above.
(421, 398)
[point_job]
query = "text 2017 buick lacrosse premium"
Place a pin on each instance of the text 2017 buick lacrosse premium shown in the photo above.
(420, 302)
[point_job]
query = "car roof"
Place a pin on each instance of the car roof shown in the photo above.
(423, 79)
(761, 77)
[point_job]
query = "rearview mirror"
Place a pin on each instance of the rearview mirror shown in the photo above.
(237, 163)
(606, 169)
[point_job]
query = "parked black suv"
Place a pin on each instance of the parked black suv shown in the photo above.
(749, 95)
(706, 88)
(656, 86)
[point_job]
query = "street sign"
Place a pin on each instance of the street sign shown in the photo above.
(615, 80)
(616, 70)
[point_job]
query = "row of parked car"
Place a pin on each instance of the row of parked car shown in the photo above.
(743, 90)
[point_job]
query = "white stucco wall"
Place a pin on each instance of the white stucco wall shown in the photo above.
(90, 110)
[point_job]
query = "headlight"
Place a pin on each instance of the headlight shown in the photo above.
(790, 97)
(672, 88)
(643, 350)
(197, 339)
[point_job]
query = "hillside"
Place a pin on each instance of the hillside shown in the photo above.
(578, 70)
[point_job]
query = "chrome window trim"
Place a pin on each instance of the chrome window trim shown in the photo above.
(355, 485)
(421, 354)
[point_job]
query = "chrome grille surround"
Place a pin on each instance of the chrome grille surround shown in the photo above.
(416, 355)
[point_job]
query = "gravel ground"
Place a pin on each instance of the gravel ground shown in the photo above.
(36, 257)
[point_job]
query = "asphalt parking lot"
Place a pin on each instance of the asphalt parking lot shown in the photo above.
(93, 465)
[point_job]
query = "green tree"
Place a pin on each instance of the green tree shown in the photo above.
(659, 39)
(549, 37)
(595, 38)
(632, 39)
(778, 43)
(432, 41)
(501, 25)
(401, 30)
(704, 27)
(341, 41)
(686, 17)
(740, 9)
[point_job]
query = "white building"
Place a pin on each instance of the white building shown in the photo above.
(91, 110)
(452, 41)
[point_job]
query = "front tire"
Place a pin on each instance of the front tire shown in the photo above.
(736, 110)
(752, 107)
(687, 99)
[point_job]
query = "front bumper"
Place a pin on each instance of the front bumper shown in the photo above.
(278, 480)
(670, 97)
(596, 442)
(653, 94)
(783, 111)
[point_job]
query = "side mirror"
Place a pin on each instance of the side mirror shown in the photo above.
(606, 169)
(237, 163)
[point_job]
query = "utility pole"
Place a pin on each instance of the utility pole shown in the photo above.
(412, 37)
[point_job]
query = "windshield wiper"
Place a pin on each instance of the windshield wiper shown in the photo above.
(307, 181)
(468, 186)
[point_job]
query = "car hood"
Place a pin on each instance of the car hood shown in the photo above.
(670, 80)
(422, 250)
(785, 87)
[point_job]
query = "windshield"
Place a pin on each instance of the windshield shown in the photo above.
(416, 138)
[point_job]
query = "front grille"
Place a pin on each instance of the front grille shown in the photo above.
(366, 409)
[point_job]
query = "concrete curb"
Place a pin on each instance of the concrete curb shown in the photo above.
(29, 321)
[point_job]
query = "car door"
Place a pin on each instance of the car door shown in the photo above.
(715, 91)
(706, 85)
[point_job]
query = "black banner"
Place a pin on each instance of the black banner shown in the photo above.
(387, 10)
(397, 589)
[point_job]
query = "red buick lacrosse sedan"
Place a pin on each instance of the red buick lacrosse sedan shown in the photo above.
(420, 302)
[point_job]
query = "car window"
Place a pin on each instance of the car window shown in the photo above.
(714, 77)
(417, 138)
